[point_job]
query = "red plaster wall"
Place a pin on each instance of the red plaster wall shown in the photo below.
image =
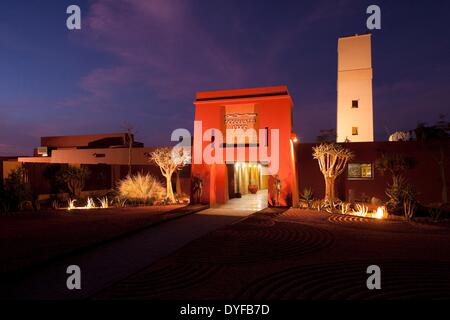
(424, 176)
(274, 112)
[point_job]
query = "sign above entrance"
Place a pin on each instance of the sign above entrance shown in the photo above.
(242, 121)
(241, 124)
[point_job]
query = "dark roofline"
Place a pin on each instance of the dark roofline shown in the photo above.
(117, 134)
(261, 95)
(356, 35)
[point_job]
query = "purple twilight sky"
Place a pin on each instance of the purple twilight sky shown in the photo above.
(141, 62)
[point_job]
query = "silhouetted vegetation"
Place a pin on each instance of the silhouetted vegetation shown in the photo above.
(73, 179)
(307, 196)
(326, 136)
(400, 192)
(16, 192)
(436, 138)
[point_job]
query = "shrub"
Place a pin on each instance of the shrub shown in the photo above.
(51, 173)
(307, 196)
(330, 206)
(4, 208)
(395, 193)
(435, 211)
(409, 198)
(17, 191)
(402, 197)
(141, 188)
(73, 178)
(394, 163)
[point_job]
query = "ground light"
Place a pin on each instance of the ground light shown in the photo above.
(380, 214)
(90, 204)
(363, 211)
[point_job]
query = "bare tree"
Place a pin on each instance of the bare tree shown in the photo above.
(333, 159)
(169, 160)
(129, 128)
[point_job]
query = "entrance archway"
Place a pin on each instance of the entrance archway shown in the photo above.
(265, 112)
(248, 186)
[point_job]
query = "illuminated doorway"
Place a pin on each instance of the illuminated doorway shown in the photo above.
(248, 185)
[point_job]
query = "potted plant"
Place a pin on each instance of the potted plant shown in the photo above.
(252, 188)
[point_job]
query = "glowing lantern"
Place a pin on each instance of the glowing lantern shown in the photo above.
(380, 213)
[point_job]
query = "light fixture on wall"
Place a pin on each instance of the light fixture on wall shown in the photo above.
(294, 137)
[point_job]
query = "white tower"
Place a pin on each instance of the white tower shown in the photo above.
(354, 89)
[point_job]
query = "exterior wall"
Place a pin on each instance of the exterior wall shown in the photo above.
(274, 111)
(8, 166)
(355, 83)
(111, 156)
(107, 166)
(4, 174)
(102, 176)
(425, 176)
(79, 141)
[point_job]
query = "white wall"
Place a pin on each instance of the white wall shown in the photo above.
(355, 83)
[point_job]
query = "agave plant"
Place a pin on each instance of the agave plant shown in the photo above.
(104, 202)
(409, 208)
(55, 204)
(395, 192)
(361, 210)
(409, 202)
(345, 207)
(307, 195)
(320, 205)
(90, 204)
(120, 202)
(71, 204)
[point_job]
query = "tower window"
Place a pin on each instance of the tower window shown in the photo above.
(355, 104)
(355, 131)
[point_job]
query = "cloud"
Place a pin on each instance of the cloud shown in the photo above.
(165, 51)
(158, 45)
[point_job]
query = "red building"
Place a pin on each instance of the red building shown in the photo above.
(243, 142)
(223, 130)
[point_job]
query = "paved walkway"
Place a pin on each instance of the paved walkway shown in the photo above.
(255, 202)
(114, 261)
